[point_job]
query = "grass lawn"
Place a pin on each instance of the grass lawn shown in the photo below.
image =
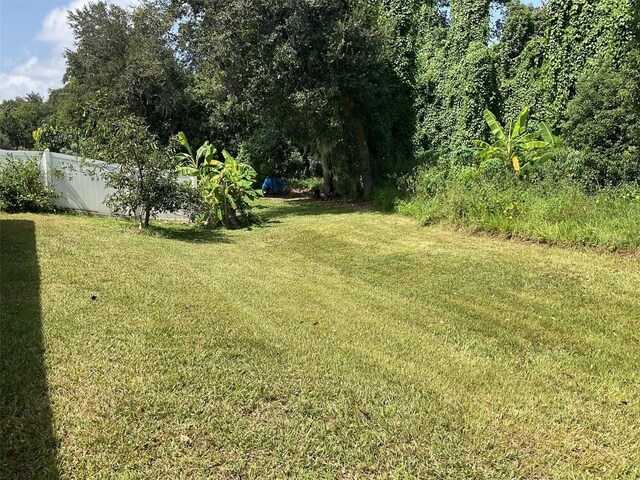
(327, 343)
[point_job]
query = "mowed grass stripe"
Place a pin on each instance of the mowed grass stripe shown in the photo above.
(249, 352)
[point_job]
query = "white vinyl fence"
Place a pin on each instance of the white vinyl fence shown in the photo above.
(77, 181)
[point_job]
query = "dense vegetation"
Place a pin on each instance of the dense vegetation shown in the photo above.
(358, 92)
(21, 187)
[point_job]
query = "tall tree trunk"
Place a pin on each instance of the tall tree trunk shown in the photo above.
(144, 210)
(365, 160)
(363, 148)
(327, 174)
(324, 152)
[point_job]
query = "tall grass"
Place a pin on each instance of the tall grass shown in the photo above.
(548, 211)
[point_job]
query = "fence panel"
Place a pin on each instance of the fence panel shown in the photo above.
(79, 184)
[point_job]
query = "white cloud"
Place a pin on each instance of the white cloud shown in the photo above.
(40, 76)
(33, 75)
(55, 29)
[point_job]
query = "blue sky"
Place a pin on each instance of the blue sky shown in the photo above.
(33, 35)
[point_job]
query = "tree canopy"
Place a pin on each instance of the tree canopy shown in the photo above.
(359, 90)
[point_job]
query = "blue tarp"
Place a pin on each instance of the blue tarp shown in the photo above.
(273, 186)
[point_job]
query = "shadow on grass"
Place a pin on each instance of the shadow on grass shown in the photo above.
(28, 445)
(188, 233)
(302, 207)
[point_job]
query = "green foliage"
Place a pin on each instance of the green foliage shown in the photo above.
(538, 59)
(544, 51)
(456, 77)
(22, 188)
(360, 89)
(19, 118)
(515, 146)
(581, 34)
(61, 138)
(386, 197)
(521, 54)
(145, 178)
(271, 154)
(5, 142)
(603, 121)
(227, 187)
(551, 212)
(125, 59)
(469, 24)
(333, 87)
(305, 184)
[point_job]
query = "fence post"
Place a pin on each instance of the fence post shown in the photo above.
(46, 161)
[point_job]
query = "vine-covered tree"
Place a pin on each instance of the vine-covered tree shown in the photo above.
(583, 33)
(457, 76)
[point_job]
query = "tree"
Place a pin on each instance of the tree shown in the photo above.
(581, 34)
(469, 23)
(145, 177)
(363, 88)
(269, 151)
(457, 76)
(603, 120)
(19, 118)
(125, 57)
(313, 67)
(22, 188)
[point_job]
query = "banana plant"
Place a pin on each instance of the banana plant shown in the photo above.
(514, 145)
(190, 164)
(226, 186)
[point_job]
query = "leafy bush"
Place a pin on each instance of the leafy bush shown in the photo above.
(62, 139)
(22, 188)
(305, 184)
(145, 181)
(386, 197)
(270, 154)
(19, 117)
(226, 187)
(603, 121)
(5, 141)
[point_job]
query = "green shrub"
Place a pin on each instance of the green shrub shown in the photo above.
(270, 154)
(145, 181)
(603, 120)
(386, 197)
(305, 184)
(5, 141)
(22, 188)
